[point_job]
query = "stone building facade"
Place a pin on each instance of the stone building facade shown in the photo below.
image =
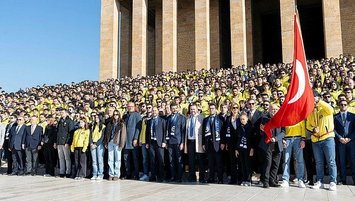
(145, 37)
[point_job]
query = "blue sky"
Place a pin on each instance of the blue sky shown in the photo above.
(48, 42)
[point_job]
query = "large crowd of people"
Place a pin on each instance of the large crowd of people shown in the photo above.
(168, 127)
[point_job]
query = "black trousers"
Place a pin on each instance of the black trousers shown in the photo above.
(175, 160)
(80, 162)
(31, 160)
(244, 164)
(8, 156)
(49, 158)
(156, 161)
(129, 156)
(17, 158)
(309, 160)
(215, 161)
(233, 165)
(201, 157)
(270, 165)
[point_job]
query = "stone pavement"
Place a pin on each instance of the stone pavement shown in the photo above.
(54, 188)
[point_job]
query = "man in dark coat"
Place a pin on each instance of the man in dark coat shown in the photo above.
(133, 123)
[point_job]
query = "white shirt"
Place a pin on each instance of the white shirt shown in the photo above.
(234, 123)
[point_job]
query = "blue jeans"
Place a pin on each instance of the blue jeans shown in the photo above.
(321, 149)
(114, 159)
(97, 155)
(293, 146)
(145, 154)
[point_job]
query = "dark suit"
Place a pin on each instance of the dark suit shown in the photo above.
(7, 147)
(155, 137)
(271, 153)
(17, 137)
(176, 128)
(229, 137)
(345, 129)
(212, 140)
(255, 121)
(133, 123)
(32, 141)
(49, 138)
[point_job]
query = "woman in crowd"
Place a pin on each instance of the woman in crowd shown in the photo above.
(97, 147)
(79, 146)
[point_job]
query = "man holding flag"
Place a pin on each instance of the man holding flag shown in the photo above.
(299, 101)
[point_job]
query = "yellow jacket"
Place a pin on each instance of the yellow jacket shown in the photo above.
(80, 139)
(321, 117)
(143, 132)
(296, 130)
(97, 133)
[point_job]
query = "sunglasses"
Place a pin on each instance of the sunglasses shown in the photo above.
(251, 103)
(343, 104)
(326, 96)
(235, 107)
(116, 114)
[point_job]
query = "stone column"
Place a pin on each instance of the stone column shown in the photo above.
(332, 28)
(109, 39)
(238, 32)
(169, 38)
(158, 37)
(249, 30)
(287, 11)
(202, 34)
(139, 37)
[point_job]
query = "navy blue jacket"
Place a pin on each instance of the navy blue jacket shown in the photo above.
(133, 123)
(178, 136)
(246, 131)
(208, 137)
(32, 141)
(160, 131)
(17, 139)
(340, 128)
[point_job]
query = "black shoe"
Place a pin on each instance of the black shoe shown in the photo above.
(68, 176)
(21, 174)
(341, 183)
(172, 179)
(211, 181)
(27, 173)
(13, 174)
(33, 174)
(266, 185)
(191, 180)
(202, 181)
(219, 182)
(61, 175)
(231, 182)
(273, 184)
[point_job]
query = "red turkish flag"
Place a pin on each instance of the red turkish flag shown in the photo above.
(299, 101)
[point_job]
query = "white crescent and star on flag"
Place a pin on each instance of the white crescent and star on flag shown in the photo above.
(301, 82)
